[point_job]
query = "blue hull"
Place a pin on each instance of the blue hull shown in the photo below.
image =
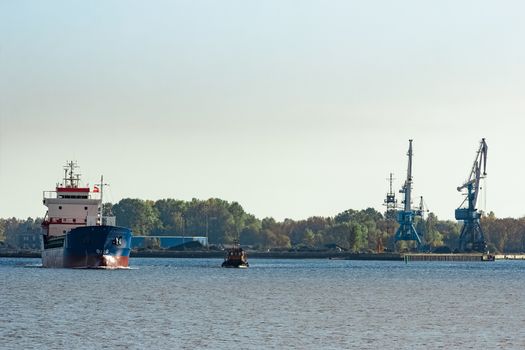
(89, 247)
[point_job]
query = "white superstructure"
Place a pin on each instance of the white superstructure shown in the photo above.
(70, 206)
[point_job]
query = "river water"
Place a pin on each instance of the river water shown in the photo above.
(275, 304)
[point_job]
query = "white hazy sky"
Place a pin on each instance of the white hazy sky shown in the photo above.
(291, 108)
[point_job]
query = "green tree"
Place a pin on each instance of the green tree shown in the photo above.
(350, 235)
(432, 236)
(345, 216)
(2, 230)
(450, 232)
(141, 216)
(171, 216)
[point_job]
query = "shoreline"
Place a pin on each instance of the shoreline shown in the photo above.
(214, 254)
(325, 255)
(270, 255)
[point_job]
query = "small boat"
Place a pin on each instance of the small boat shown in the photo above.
(236, 257)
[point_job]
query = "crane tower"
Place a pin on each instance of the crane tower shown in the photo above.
(471, 237)
(405, 217)
(390, 200)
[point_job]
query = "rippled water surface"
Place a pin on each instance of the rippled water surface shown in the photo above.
(275, 304)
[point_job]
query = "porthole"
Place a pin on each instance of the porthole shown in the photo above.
(85, 208)
(59, 207)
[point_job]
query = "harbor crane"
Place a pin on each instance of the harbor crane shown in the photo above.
(471, 237)
(405, 216)
(391, 206)
(390, 201)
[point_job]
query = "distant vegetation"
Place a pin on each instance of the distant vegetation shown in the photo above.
(354, 230)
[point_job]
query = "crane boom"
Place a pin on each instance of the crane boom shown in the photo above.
(475, 174)
(471, 237)
(407, 187)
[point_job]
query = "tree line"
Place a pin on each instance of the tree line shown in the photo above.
(224, 222)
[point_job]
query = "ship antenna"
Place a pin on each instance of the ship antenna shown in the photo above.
(72, 179)
(71, 174)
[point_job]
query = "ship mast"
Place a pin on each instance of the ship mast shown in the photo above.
(101, 208)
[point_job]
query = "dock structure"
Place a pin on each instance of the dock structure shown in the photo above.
(510, 256)
(447, 257)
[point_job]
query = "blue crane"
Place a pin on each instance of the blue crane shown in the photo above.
(471, 237)
(405, 217)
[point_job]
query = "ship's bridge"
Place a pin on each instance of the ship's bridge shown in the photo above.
(71, 193)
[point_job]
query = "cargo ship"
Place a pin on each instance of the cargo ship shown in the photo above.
(76, 234)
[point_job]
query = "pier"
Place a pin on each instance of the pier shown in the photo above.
(510, 256)
(448, 257)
